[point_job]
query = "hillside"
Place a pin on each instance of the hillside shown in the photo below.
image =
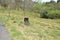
(39, 28)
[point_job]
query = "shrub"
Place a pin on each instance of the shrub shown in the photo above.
(43, 14)
(54, 14)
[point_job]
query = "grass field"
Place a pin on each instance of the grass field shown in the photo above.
(39, 29)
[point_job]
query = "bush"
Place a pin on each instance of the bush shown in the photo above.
(54, 14)
(43, 14)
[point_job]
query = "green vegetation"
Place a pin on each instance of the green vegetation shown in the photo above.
(54, 14)
(48, 10)
(45, 28)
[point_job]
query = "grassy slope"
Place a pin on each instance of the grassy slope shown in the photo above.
(40, 29)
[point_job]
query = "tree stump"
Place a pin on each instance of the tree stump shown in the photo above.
(26, 21)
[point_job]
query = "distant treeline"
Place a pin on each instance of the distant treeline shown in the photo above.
(16, 4)
(48, 10)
